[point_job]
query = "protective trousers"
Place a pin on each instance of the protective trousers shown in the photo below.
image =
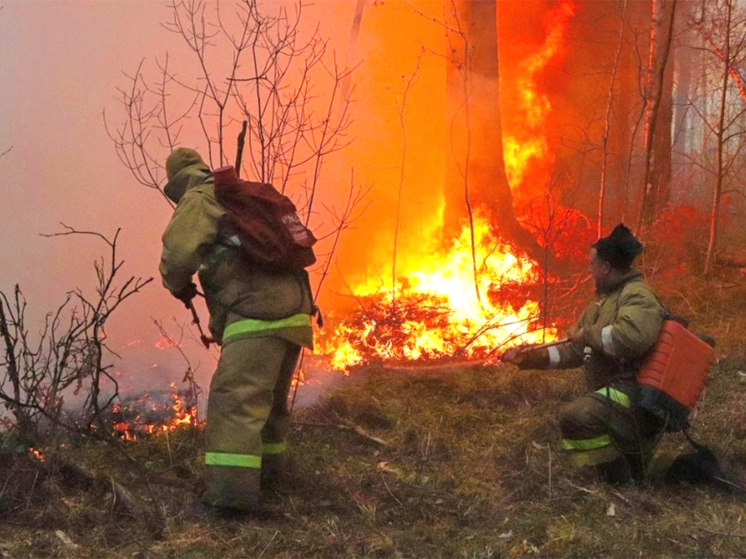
(247, 418)
(602, 426)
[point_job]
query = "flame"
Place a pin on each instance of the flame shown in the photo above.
(299, 379)
(165, 342)
(37, 454)
(529, 148)
(438, 310)
(178, 413)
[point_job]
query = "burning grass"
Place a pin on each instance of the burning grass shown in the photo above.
(155, 412)
(454, 302)
(453, 460)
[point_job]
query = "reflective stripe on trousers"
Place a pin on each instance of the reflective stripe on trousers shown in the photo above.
(244, 460)
(233, 460)
(247, 418)
(598, 448)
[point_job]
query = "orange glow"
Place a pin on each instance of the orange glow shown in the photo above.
(436, 312)
(37, 454)
(529, 148)
(179, 413)
(164, 342)
(299, 379)
(440, 306)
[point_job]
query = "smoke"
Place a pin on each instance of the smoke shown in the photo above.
(63, 167)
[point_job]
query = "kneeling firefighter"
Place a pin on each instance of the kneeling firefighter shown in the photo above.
(605, 427)
(260, 317)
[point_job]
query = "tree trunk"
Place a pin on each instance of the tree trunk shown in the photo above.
(476, 167)
(684, 61)
(681, 143)
(720, 131)
(607, 123)
(660, 179)
(661, 36)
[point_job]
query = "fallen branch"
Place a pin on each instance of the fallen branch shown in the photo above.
(718, 533)
(351, 427)
(578, 487)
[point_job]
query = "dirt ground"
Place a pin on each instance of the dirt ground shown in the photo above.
(449, 461)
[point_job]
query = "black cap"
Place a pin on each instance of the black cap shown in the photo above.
(618, 249)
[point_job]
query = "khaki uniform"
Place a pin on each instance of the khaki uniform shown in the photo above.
(618, 330)
(260, 318)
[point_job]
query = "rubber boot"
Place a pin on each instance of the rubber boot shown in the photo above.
(273, 470)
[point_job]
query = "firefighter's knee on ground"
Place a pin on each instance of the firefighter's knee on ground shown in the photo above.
(576, 416)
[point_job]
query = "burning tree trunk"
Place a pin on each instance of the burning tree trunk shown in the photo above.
(476, 166)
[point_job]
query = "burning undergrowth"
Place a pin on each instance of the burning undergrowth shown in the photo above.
(421, 327)
(470, 301)
(154, 412)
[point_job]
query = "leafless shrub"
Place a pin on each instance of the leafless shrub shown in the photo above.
(283, 82)
(66, 356)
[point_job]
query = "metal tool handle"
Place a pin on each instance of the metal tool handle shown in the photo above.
(549, 344)
(206, 341)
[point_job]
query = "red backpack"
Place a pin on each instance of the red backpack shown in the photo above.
(266, 221)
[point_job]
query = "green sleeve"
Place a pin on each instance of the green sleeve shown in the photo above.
(635, 330)
(569, 356)
(192, 231)
(561, 356)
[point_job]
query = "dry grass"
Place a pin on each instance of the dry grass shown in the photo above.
(469, 469)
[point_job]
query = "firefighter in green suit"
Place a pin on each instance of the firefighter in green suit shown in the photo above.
(611, 339)
(260, 318)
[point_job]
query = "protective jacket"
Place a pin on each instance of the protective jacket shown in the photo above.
(618, 331)
(199, 239)
(260, 317)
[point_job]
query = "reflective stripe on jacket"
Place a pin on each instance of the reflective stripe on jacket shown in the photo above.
(235, 290)
(618, 330)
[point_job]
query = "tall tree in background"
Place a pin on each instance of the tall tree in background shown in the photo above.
(661, 35)
(608, 119)
(660, 172)
(720, 23)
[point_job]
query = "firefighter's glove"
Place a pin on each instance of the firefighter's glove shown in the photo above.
(186, 294)
(513, 355)
(526, 357)
(577, 337)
